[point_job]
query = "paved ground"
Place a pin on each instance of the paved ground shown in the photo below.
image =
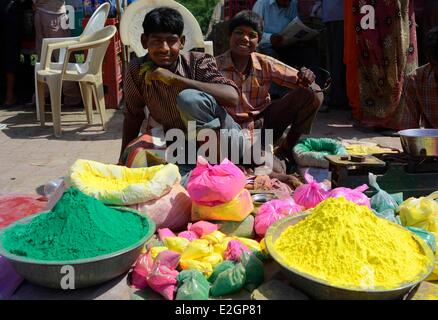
(31, 156)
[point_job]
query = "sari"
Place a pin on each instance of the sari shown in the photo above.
(382, 57)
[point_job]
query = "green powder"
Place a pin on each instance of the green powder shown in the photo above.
(78, 227)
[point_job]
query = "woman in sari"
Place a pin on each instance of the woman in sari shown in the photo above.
(378, 60)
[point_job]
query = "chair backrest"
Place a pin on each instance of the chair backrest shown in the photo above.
(98, 42)
(97, 20)
(131, 25)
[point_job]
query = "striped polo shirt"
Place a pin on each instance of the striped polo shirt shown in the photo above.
(160, 98)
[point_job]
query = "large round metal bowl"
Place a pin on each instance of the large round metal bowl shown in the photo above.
(319, 289)
(420, 142)
(87, 272)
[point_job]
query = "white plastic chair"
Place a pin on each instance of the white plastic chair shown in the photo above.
(95, 23)
(88, 74)
(131, 26)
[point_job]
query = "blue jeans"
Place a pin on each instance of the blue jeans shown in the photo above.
(206, 113)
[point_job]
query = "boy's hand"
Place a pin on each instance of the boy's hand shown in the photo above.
(306, 77)
(160, 74)
(152, 72)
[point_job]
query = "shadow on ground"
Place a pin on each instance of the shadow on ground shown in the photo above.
(22, 124)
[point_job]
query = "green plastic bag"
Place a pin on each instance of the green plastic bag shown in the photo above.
(311, 152)
(382, 200)
(192, 285)
(224, 265)
(244, 229)
(229, 281)
(388, 214)
(427, 236)
(254, 271)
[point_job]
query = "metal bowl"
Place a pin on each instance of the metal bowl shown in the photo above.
(87, 272)
(420, 142)
(319, 289)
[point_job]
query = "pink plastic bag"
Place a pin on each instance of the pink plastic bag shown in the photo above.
(213, 185)
(201, 228)
(164, 233)
(189, 235)
(162, 278)
(171, 211)
(355, 195)
(234, 250)
(142, 267)
(273, 211)
(310, 194)
(9, 279)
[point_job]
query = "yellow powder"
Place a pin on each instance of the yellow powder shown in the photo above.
(110, 177)
(348, 246)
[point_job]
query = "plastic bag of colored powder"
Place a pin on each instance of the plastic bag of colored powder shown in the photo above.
(382, 200)
(421, 213)
(254, 271)
(310, 194)
(189, 235)
(355, 195)
(202, 228)
(192, 285)
(229, 280)
(273, 211)
(162, 277)
(142, 267)
(212, 185)
(234, 251)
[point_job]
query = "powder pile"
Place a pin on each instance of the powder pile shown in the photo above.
(77, 227)
(348, 246)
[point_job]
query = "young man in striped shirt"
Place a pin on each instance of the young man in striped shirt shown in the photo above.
(254, 72)
(178, 87)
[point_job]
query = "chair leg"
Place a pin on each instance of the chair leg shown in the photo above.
(37, 90)
(87, 97)
(55, 87)
(100, 102)
(40, 101)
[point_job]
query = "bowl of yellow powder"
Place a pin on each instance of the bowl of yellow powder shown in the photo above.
(344, 251)
(79, 243)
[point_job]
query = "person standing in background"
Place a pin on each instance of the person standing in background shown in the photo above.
(333, 17)
(378, 60)
(50, 17)
(10, 37)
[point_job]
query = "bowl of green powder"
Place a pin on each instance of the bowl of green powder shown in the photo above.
(79, 243)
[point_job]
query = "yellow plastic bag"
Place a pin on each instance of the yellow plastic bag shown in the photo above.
(250, 243)
(235, 210)
(156, 250)
(222, 246)
(213, 258)
(215, 237)
(420, 213)
(204, 267)
(118, 185)
(176, 243)
(197, 249)
(263, 248)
